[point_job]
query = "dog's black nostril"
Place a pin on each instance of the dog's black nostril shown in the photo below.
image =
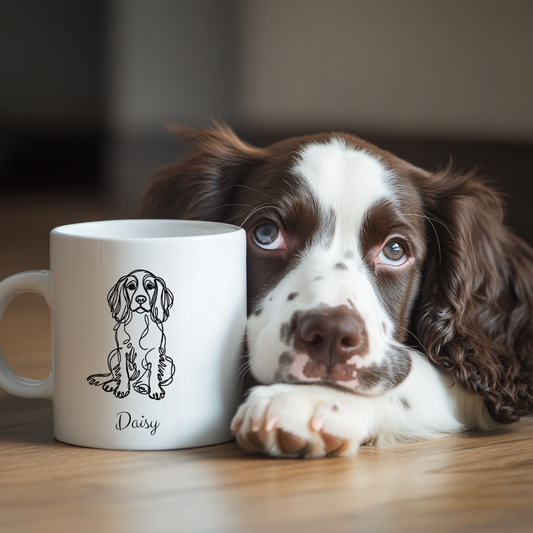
(351, 341)
(316, 340)
(310, 331)
(140, 299)
(331, 336)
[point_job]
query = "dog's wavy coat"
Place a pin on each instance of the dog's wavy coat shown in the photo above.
(386, 303)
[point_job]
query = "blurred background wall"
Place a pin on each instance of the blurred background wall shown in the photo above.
(52, 93)
(86, 87)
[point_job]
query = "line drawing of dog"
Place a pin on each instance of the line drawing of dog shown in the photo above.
(139, 302)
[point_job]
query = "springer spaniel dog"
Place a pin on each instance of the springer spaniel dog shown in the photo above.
(386, 303)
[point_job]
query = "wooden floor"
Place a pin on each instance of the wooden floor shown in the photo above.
(480, 482)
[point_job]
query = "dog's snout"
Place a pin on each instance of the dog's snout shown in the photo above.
(332, 336)
(140, 299)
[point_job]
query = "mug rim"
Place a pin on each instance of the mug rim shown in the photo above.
(147, 229)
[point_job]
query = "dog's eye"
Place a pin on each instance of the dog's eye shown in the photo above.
(131, 286)
(269, 237)
(393, 253)
(150, 286)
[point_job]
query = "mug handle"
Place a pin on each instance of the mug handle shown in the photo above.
(38, 281)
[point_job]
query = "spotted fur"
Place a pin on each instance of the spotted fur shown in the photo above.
(349, 341)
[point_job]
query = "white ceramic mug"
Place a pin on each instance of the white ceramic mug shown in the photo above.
(148, 323)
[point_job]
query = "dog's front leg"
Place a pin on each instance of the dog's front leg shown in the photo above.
(312, 421)
(125, 351)
(155, 366)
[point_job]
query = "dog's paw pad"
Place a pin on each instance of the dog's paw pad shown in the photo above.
(254, 441)
(291, 444)
(334, 445)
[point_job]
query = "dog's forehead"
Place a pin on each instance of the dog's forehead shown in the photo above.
(345, 180)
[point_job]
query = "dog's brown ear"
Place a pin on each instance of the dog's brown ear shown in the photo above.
(475, 316)
(200, 185)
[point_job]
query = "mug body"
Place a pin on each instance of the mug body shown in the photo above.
(148, 323)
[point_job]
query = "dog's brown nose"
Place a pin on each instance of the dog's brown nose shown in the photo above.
(332, 336)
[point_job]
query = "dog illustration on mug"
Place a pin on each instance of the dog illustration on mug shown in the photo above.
(140, 302)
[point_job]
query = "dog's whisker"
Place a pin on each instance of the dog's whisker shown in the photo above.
(243, 371)
(237, 205)
(257, 209)
(410, 333)
(437, 237)
(253, 209)
(431, 222)
(434, 219)
(230, 219)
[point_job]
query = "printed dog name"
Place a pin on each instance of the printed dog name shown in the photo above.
(125, 421)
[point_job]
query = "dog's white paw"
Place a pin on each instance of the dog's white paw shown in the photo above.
(300, 421)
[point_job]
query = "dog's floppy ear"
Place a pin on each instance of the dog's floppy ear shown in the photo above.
(475, 315)
(119, 302)
(162, 301)
(200, 185)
